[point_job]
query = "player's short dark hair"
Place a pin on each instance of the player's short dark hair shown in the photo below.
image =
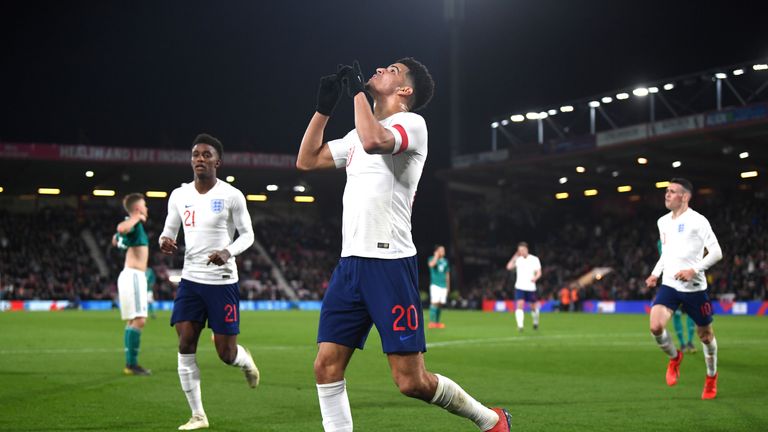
(212, 141)
(423, 84)
(522, 244)
(131, 199)
(685, 183)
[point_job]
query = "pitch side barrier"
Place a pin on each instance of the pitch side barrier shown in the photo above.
(105, 305)
(759, 308)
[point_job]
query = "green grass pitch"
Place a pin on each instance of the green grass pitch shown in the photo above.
(63, 372)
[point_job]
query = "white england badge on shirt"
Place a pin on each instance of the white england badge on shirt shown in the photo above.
(217, 205)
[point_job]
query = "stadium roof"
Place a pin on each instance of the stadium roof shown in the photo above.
(707, 157)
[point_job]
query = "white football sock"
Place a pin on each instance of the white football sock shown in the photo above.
(520, 317)
(710, 357)
(334, 406)
(189, 375)
(455, 400)
(535, 315)
(242, 359)
(665, 343)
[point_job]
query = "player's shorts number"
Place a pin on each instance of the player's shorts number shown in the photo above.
(706, 309)
(231, 311)
(411, 317)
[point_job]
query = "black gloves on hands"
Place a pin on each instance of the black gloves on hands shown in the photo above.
(328, 94)
(352, 77)
(331, 86)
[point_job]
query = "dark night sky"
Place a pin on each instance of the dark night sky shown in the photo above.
(154, 73)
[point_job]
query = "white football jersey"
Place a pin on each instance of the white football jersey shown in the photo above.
(526, 270)
(682, 247)
(380, 189)
(209, 222)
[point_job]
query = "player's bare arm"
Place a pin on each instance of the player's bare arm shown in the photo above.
(375, 138)
(126, 225)
(651, 281)
(313, 152)
(511, 264)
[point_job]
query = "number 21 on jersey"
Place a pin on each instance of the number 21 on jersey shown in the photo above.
(189, 218)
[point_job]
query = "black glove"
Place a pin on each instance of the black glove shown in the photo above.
(352, 78)
(328, 94)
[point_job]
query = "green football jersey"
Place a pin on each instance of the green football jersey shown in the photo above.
(135, 237)
(437, 274)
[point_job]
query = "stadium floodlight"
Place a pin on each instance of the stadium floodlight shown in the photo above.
(48, 191)
(561, 195)
(580, 169)
(299, 188)
(721, 75)
(1, 189)
(230, 179)
(563, 180)
(256, 197)
(590, 192)
(748, 174)
(625, 188)
(552, 112)
(737, 72)
(156, 194)
(653, 89)
(504, 122)
(642, 160)
(640, 92)
(622, 96)
(495, 125)
(104, 192)
(607, 99)
(304, 199)
(543, 115)
(677, 164)
(594, 104)
(566, 108)
(743, 155)
(517, 118)
(532, 116)
(760, 67)
(662, 184)
(272, 187)
(89, 174)
(668, 86)
(615, 174)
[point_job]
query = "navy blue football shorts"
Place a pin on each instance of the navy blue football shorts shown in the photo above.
(219, 305)
(529, 296)
(695, 304)
(367, 291)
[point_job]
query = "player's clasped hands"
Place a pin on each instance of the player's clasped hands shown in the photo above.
(168, 245)
(219, 257)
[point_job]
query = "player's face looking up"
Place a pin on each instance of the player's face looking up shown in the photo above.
(389, 80)
(205, 160)
(676, 196)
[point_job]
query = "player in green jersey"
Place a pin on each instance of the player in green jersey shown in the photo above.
(132, 282)
(440, 285)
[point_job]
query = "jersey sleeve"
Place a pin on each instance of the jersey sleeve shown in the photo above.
(340, 151)
(243, 224)
(714, 252)
(410, 132)
(537, 264)
(172, 220)
(658, 269)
